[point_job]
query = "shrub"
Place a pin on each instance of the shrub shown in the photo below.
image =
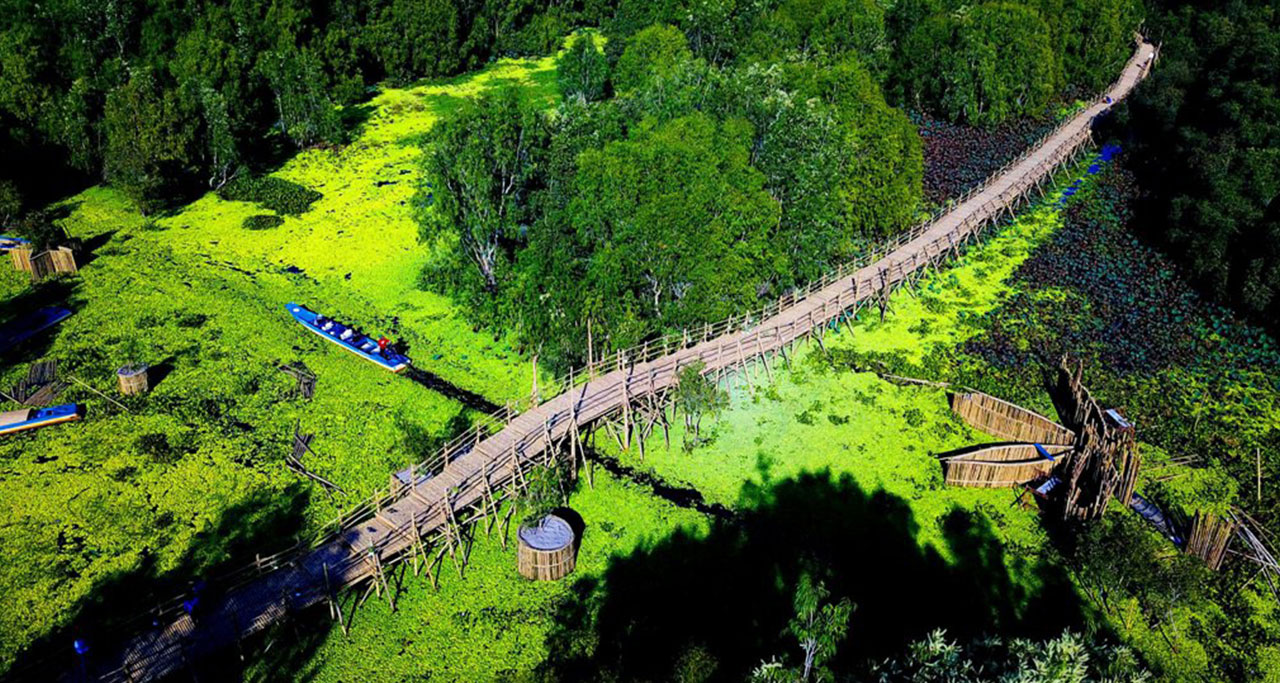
(265, 221)
(157, 447)
(583, 69)
(277, 194)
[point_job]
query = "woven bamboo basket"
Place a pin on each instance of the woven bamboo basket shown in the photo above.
(546, 550)
(133, 379)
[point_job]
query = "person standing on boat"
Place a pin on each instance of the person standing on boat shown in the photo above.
(383, 343)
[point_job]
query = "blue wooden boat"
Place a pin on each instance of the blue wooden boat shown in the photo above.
(7, 242)
(16, 421)
(348, 338)
(28, 326)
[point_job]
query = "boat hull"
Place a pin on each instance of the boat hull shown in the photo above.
(43, 417)
(308, 319)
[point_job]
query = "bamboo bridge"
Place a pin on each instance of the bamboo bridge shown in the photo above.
(425, 508)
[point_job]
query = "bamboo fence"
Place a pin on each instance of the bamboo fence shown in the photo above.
(1209, 537)
(998, 466)
(1007, 421)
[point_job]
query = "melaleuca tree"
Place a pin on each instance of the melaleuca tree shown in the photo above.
(697, 396)
(307, 115)
(10, 201)
(982, 64)
(1094, 38)
(1066, 659)
(222, 155)
(482, 165)
(1206, 148)
(677, 223)
(819, 627)
(882, 165)
(583, 70)
(652, 54)
(147, 139)
(823, 31)
(418, 39)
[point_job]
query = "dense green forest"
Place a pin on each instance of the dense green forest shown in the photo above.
(1206, 141)
(705, 161)
(690, 160)
(164, 98)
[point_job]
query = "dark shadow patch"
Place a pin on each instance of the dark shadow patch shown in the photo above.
(266, 522)
(441, 386)
(89, 248)
(576, 523)
(727, 594)
(59, 292)
(680, 496)
(158, 372)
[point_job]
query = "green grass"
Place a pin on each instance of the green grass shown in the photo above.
(492, 622)
(818, 415)
(194, 472)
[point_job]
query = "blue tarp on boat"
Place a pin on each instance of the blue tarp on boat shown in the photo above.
(28, 326)
(33, 418)
(1156, 517)
(7, 242)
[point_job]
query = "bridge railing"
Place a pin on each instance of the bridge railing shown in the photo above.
(652, 349)
(648, 351)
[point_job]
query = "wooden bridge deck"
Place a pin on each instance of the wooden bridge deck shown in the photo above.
(470, 474)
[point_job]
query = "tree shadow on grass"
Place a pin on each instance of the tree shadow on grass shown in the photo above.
(725, 597)
(59, 291)
(117, 609)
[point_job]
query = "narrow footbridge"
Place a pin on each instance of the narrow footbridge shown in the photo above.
(425, 508)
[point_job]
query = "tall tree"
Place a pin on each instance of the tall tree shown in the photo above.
(223, 157)
(982, 64)
(819, 626)
(653, 54)
(1206, 131)
(307, 115)
(583, 70)
(147, 139)
(698, 397)
(482, 165)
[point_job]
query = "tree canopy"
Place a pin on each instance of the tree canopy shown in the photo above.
(1206, 128)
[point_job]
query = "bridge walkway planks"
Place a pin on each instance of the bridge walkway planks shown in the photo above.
(493, 461)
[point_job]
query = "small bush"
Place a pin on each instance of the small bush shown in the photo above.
(265, 221)
(192, 320)
(157, 447)
(276, 194)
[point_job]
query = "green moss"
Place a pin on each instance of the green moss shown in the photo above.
(192, 473)
(264, 221)
(492, 623)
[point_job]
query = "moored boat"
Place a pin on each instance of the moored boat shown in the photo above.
(28, 326)
(15, 421)
(7, 242)
(348, 338)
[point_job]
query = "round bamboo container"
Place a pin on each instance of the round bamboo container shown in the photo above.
(133, 379)
(546, 549)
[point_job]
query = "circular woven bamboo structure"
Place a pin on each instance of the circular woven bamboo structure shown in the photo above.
(133, 379)
(546, 549)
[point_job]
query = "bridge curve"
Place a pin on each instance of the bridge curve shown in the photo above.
(473, 472)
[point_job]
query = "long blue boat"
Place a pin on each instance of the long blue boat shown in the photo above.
(28, 326)
(348, 338)
(16, 421)
(7, 242)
